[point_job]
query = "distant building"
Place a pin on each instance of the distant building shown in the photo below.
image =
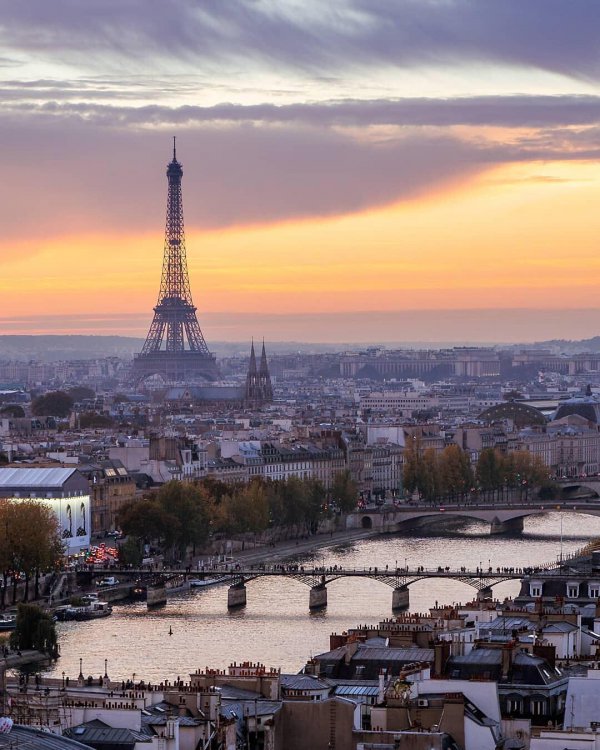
(255, 393)
(259, 390)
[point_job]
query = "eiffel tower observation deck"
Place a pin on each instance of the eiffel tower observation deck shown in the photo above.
(175, 348)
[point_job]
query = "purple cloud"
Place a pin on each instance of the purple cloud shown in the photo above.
(553, 35)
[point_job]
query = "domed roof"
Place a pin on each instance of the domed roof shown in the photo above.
(520, 413)
(587, 407)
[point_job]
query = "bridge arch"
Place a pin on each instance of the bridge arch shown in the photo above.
(592, 489)
(366, 522)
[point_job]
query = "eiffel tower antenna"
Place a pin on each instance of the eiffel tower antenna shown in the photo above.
(175, 347)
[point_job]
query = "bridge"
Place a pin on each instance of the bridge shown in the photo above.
(317, 579)
(582, 486)
(503, 516)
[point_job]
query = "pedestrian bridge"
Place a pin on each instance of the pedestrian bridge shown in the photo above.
(503, 516)
(318, 578)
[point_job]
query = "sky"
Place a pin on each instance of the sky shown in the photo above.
(355, 170)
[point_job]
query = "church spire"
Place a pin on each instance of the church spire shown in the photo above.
(259, 390)
(252, 366)
(264, 367)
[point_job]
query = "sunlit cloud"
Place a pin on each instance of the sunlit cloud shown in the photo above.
(355, 156)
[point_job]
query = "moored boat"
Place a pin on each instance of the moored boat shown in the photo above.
(7, 622)
(197, 583)
(139, 592)
(90, 611)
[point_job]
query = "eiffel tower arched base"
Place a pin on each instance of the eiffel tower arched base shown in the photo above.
(175, 367)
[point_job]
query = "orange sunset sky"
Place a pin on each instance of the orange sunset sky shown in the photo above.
(413, 171)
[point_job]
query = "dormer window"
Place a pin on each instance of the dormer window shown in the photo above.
(535, 589)
(594, 589)
(573, 589)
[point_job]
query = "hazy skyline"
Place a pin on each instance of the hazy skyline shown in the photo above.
(352, 171)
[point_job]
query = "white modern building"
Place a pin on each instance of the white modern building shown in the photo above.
(65, 491)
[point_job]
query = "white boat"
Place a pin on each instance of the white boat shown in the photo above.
(7, 622)
(198, 583)
(91, 611)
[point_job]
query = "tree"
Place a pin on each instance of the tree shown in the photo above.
(215, 488)
(455, 468)
(344, 491)
(30, 542)
(245, 509)
(187, 514)
(33, 535)
(35, 630)
(52, 404)
(12, 410)
(490, 470)
(176, 517)
(91, 419)
(314, 504)
(410, 468)
(6, 553)
(81, 393)
(130, 552)
(144, 519)
(430, 481)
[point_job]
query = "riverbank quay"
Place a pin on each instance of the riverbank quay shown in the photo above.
(15, 659)
(291, 548)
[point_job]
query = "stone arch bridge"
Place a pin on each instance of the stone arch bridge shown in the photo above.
(502, 516)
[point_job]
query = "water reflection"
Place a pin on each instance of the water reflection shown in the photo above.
(276, 627)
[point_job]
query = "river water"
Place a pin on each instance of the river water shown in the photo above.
(276, 627)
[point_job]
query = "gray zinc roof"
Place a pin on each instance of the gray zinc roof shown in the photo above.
(302, 682)
(34, 739)
(560, 627)
(232, 692)
(20, 477)
(506, 624)
(350, 691)
(105, 735)
(242, 709)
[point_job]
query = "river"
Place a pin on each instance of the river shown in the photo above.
(276, 627)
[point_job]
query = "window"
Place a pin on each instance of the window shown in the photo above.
(535, 589)
(538, 706)
(572, 590)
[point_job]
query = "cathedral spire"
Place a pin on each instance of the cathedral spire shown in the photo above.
(264, 367)
(252, 366)
(259, 390)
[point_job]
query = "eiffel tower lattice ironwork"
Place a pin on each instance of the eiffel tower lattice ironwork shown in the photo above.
(175, 347)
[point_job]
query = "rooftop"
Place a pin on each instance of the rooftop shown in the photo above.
(20, 477)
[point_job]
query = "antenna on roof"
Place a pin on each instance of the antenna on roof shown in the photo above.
(174, 150)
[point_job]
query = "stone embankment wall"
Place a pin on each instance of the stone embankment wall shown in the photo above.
(242, 542)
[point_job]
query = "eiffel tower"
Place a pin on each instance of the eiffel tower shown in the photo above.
(175, 348)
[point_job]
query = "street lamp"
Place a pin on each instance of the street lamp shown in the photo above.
(63, 681)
